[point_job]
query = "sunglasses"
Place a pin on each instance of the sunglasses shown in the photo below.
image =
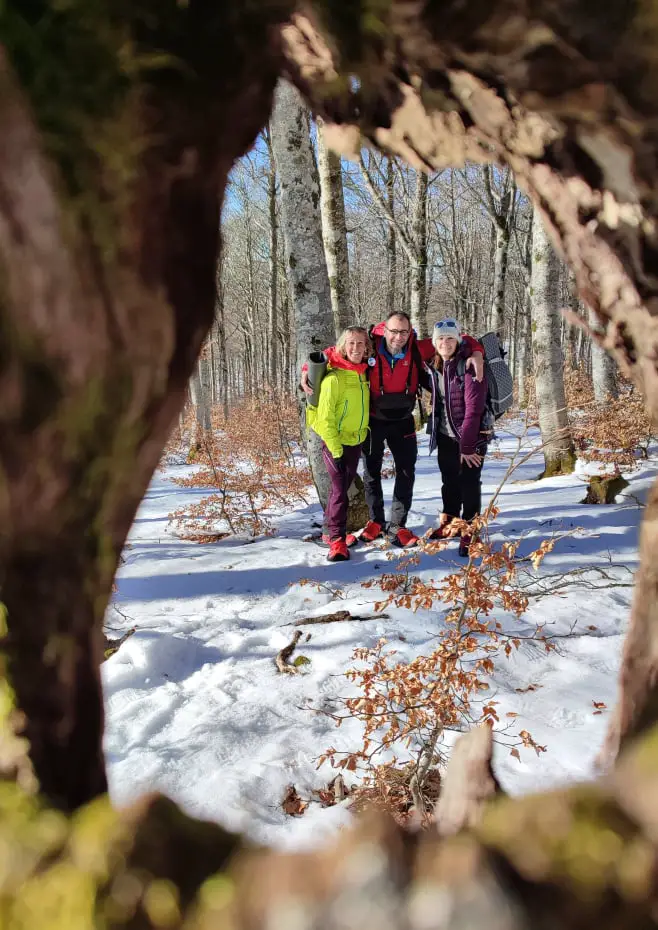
(452, 324)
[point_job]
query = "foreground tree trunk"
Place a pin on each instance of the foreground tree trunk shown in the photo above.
(547, 355)
(109, 236)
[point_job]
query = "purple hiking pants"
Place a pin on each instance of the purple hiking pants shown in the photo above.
(341, 474)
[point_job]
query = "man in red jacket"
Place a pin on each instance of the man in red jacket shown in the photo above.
(394, 380)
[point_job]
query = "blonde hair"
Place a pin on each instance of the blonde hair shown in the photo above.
(350, 331)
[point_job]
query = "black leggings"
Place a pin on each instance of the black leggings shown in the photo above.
(462, 487)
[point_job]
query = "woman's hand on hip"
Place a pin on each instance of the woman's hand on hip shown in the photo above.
(473, 460)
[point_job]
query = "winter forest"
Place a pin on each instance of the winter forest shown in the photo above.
(314, 243)
(328, 459)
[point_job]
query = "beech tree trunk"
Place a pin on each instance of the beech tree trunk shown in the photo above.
(547, 354)
(308, 280)
(334, 231)
(310, 293)
(391, 242)
(273, 295)
(501, 210)
(200, 397)
(418, 267)
(604, 370)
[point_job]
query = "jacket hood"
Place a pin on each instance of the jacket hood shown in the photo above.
(336, 360)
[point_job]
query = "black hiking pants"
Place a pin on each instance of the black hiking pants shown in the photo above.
(461, 489)
(400, 436)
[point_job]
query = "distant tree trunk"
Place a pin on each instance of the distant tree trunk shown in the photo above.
(501, 210)
(200, 397)
(604, 369)
(391, 241)
(523, 355)
(418, 267)
(273, 292)
(334, 231)
(547, 354)
(308, 280)
(219, 329)
(575, 307)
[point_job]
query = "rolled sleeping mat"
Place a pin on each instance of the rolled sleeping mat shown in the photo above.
(317, 367)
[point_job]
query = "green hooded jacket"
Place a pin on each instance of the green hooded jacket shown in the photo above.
(343, 412)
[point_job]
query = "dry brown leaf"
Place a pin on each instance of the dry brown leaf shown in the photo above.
(292, 804)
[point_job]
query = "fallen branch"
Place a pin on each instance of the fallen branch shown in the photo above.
(110, 646)
(283, 656)
(339, 616)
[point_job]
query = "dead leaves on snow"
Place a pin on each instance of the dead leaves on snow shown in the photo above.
(333, 793)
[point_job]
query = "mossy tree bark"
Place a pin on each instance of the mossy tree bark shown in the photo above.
(118, 137)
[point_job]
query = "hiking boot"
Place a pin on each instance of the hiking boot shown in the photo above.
(465, 545)
(338, 551)
(350, 540)
(403, 538)
(372, 531)
(443, 530)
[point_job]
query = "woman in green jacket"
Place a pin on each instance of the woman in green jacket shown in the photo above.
(341, 421)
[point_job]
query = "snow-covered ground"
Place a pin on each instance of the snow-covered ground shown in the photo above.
(197, 709)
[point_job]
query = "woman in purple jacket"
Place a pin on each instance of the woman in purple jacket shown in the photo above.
(457, 428)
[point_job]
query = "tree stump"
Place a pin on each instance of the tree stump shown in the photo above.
(357, 509)
(603, 489)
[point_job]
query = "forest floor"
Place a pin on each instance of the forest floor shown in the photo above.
(197, 709)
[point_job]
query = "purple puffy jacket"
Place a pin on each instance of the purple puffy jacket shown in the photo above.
(466, 402)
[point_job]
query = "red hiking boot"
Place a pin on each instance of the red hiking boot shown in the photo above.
(350, 540)
(404, 538)
(372, 531)
(443, 530)
(338, 551)
(465, 545)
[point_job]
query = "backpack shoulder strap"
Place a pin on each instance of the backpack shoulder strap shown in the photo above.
(417, 360)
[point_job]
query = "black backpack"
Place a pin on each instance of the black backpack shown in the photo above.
(500, 383)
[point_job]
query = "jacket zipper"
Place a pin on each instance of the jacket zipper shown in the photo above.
(340, 422)
(362, 405)
(446, 388)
